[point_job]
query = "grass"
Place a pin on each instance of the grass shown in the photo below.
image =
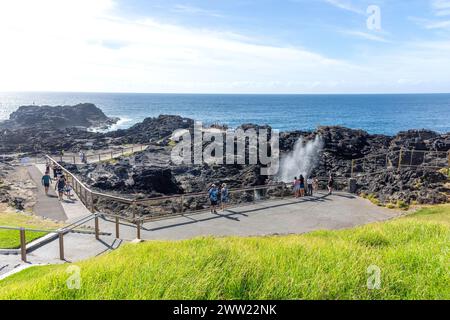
(412, 253)
(9, 239)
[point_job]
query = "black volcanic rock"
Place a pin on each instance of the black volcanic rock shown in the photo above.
(85, 115)
(153, 130)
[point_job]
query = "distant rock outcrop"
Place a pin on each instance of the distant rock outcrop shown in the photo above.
(85, 115)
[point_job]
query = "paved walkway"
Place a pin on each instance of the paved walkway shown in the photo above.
(284, 216)
(49, 206)
(46, 206)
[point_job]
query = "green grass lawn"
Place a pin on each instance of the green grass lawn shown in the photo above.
(411, 252)
(9, 239)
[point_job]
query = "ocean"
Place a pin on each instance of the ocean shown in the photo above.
(377, 114)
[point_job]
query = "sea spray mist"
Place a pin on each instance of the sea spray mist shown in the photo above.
(301, 160)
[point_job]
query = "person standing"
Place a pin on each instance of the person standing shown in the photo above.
(330, 184)
(302, 186)
(296, 185)
(55, 171)
(213, 194)
(46, 181)
(309, 183)
(224, 196)
(315, 184)
(60, 186)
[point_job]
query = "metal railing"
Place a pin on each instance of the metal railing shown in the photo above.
(103, 156)
(376, 164)
(60, 234)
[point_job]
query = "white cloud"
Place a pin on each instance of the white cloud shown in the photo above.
(63, 45)
(196, 11)
(441, 7)
(346, 5)
(365, 35)
(95, 49)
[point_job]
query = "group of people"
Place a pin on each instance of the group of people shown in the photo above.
(218, 195)
(301, 189)
(62, 186)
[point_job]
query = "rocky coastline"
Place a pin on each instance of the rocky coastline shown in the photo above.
(33, 131)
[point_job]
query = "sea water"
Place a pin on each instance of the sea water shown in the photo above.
(375, 113)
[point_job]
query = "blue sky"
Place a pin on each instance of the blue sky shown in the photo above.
(225, 46)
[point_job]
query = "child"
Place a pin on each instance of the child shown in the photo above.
(46, 181)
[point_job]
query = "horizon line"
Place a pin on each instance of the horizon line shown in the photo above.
(227, 93)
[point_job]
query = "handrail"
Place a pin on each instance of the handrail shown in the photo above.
(111, 153)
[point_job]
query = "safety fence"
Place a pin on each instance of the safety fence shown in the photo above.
(103, 156)
(60, 233)
(379, 163)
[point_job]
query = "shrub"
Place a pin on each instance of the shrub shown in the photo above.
(402, 205)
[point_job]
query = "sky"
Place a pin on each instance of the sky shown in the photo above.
(225, 46)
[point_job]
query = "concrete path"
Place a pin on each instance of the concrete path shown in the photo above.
(73, 210)
(340, 210)
(46, 206)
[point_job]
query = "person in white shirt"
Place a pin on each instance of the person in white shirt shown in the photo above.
(309, 183)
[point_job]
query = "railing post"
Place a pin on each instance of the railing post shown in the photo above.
(23, 245)
(400, 158)
(99, 157)
(74, 161)
(142, 148)
(411, 159)
(138, 229)
(92, 203)
(353, 166)
(97, 235)
(61, 246)
(117, 228)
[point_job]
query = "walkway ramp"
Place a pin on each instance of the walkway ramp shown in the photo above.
(46, 206)
(72, 210)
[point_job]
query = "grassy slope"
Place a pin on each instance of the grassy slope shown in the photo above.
(9, 239)
(412, 252)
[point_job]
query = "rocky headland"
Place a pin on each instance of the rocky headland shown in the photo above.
(152, 173)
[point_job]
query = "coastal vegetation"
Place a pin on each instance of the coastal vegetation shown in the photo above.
(411, 254)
